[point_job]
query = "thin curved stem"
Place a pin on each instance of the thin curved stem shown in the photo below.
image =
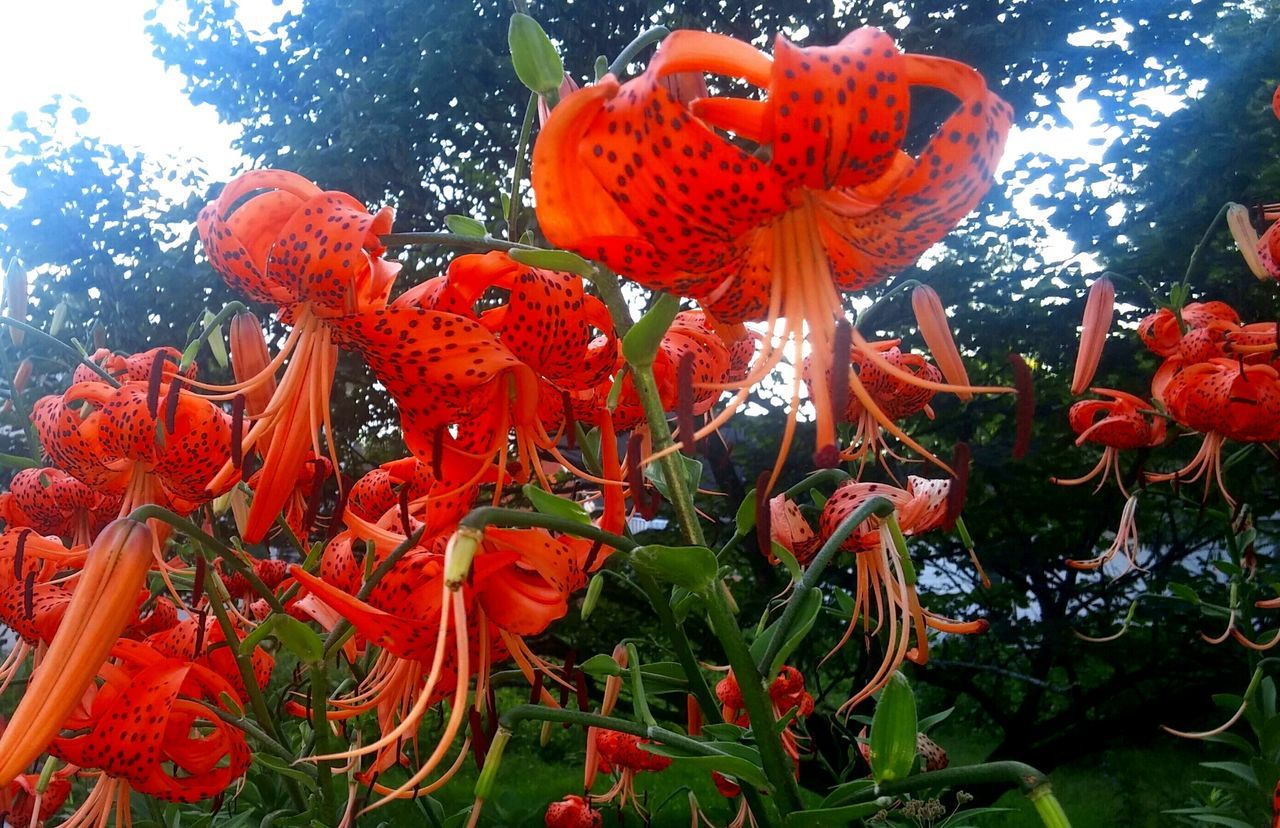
(481, 243)
(512, 518)
(338, 633)
(629, 52)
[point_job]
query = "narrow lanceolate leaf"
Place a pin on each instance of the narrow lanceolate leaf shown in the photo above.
(556, 506)
(893, 732)
(692, 567)
(533, 55)
(465, 226)
(561, 260)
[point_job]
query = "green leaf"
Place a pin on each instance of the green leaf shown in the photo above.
(692, 567)
(465, 226)
(810, 606)
(843, 793)
(299, 639)
(556, 506)
(692, 475)
(783, 554)
(13, 461)
(818, 498)
(893, 731)
(836, 817)
(937, 718)
(560, 260)
(640, 344)
(533, 55)
(1184, 592)
(277, 765)
(218, 347)
(745, 520)
(1238, 769)
(733, 759)
(724, 732)
(600, 665)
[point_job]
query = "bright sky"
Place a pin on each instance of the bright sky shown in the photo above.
(99, 52)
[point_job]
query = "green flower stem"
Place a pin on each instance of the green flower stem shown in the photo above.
(218, 597)
(320, 726)
(680, 645)
(638, 697)
(1048, 807)
(517, 172)
(635, 47)
(193, 348)
(606, 284)
(817, 480)
(672, 467)
(883, 300)
(1032, 783)
(337, 636)
(251, 729)
(213, 545)
(514, 518)
(58, 344)
(512, 716)
(477, 243)
(764, 725)
(875, 506)
(1199, 249)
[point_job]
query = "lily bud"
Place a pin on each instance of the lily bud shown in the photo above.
(1241, 226)
(104, 601)
(893, 732)
(594, 587)
(22, 376)
(16, 302)
(458, 554)
(935, 329)
(1099, 310)
(567, 86)
(493, 760)
(249, 357)
(59, 319)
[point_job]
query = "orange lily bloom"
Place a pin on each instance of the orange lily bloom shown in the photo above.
(52, 502)
(572, 812)
(828, 202)
(893, 395)
(1122, 427)
(22, 805)
(622, 752)
(315, 255)
(148, 732)
(1225, 400)
(885, 581)
(786, 693)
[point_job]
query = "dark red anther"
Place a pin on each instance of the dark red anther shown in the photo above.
(29, 596)
(1026, 405)
(479, 742)
(171, 405)
(584, 694)
(684, 404)
(592, 554)
(197, 585)
(960, 459)
(535, 692)
(764, 523)
(566, 673)
(827, 457)
(202, 618)
(153, 384)
(20, 552)
(841, 349)
(570, 432)
(237, 430)
(437, 453)
(335, 522)
(635, 480)
(404, 511)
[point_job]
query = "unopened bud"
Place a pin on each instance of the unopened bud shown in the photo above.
(594, 587)
(935, 329)
(492, 761)
(59, 319)
(1242, 230)
(22, 376)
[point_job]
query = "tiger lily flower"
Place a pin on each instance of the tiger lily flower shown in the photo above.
(1125, 542)
(827, 203)
(147, 731)
(1225, 400)
(1117, 424)
(52, 502)
(886, 584)
(102, 605)
(786, 693)
(895, 397)
(572, 812)
(1098, 311)
(624, 753)
(315, 255)
(22, 804)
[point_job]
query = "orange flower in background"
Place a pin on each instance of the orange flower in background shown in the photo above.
(52, 502)
(886, 581)
(786, 694)
(828, 203)
(624, 754)
(1117, 424)
(280, 239)
(1224, 399)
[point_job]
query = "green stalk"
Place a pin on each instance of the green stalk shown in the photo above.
(320, 725)
(877, 506)
(216, 591)
(193, 348)
(606, 284)
(251, 729)
(638, 697)
(212, 545)
(1048, 807)
(517, 172)
(672, 468)
(58, 344)
(484, 516)
(755, 699)
(479, 243)
(681, 647)
(635, 47)
(511, 718)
